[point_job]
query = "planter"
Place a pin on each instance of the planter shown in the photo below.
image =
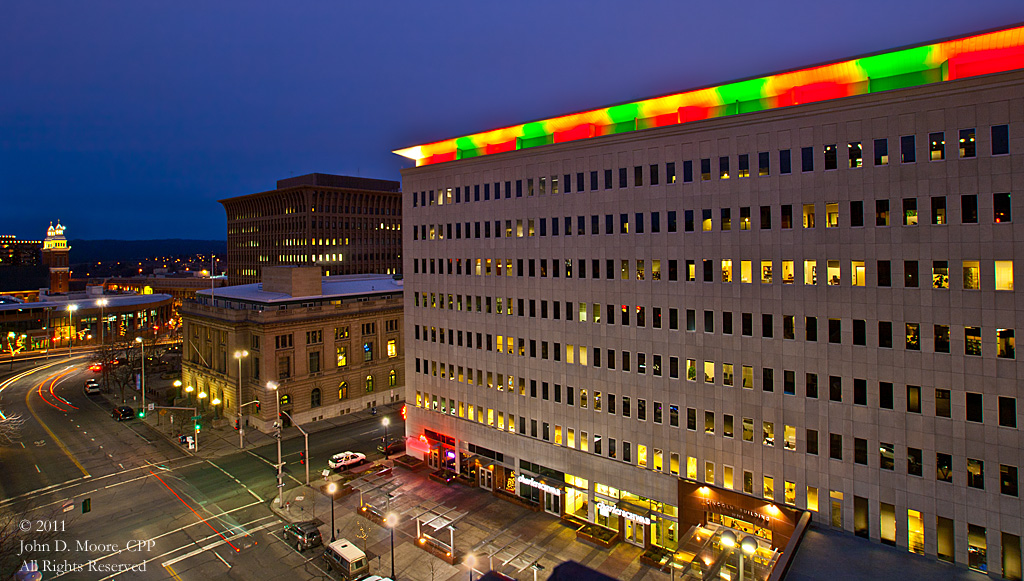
(445, 477)
(598, 535)
(523, 502)
(466, 480)
(656, 557)
(410, 463)
(435, 549)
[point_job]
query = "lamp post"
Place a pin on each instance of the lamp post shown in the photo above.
(330, 490)
(71, 334)
(189, 389)
(102, 303)
(239, 355)
(142, 344)
(277, 424)
(215, 402)
(201, 396)
(470, 562)
(386, 421)
(392, 519)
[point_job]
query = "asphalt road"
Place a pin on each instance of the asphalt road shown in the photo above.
(157, 512)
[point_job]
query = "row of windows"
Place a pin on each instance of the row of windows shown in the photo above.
(884, 396)
(908, 214)
(967, 148)
(727, 271)
(567, 436)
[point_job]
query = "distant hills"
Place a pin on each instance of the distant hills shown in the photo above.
(89, 251)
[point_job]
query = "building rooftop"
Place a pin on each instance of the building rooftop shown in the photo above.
(84, 302)
(335, 181)
(333, 286)
(957, 58)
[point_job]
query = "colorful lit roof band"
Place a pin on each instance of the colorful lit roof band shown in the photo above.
(960, 58)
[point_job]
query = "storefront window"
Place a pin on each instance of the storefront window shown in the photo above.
(576, 494)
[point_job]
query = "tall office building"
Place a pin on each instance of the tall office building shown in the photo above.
(738, 303)
(344, 224)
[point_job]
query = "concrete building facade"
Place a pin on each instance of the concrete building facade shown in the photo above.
(332, 345)
(800, 296)
(343, 224)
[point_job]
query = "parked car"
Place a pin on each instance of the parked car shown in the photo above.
(303, 535)
(122, 413)
(346, 459)
(347, 559)
(394, 446)
(92, 387)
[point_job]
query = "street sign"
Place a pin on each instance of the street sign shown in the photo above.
(281, 485)
(325, 473)
(69, 506)
(151, 406)
(197, 417)
(300, 498)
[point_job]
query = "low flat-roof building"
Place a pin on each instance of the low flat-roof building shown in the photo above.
(332, 344)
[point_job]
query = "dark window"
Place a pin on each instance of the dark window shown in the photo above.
(1000, 139)
(910, 274)
(885, 395)
(787, 216)
(670, 172)
(580, 185)
(885, 334)
(907, 149)
(944, 467)
(744, 169)
(1008, 412)
(607, 179)
(943, 407)
(974, 412)
(1008, 480)
(860, 392)
(856, 214)
(672, 225)
(655, 222)
(723, 168)
(939, 210)
(709, 275)
(688, 220)
(884, 273)
(789, 382)
(1001, 205)
(811, 384)
(806, 159)
(763, 164)
(623, 177)
(726, 222)
(835, 446)
(766, 217)
(768, 379)
(969, 209)
(638, 175)
(593, 181)
(811, 328)
(687, 171)
(747, 324)
(881, 212)
(835, 331)
(915, 462)
(860, 451)
(705, 169)
(835, 388)
(860, 332)
(942, 338)
(831, 157)
(767, 330)
(812, 442)
(785, 163)
(788, 327)
(881, 152)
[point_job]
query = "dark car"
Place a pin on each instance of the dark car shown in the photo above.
(122, 413)
(303, 534)
(394, 446)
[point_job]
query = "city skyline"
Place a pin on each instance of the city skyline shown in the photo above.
(125, 108)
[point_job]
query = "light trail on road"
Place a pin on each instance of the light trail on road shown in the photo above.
(193, 510)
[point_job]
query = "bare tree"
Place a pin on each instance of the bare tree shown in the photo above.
(20, 524)
(10, 429)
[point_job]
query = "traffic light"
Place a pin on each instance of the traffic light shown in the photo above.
(236, 424)
(198, 427)
(302, 457)
(403, 412)
(142, 414)
(256, 406)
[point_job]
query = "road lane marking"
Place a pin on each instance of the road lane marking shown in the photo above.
(192, 509)
(9, 381)
(195, 552)
(174, 574)
(269, 463)
(28, 404)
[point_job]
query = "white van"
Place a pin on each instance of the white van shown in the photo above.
(347, 559)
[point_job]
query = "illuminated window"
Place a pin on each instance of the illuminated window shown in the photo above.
(808, 215)
(745, 218)
(691, 467)
(369, 383)
(858, 272)
(972, 275)
(726, 270)
(748, 429)
(392, 378)
(709, 372)
(812, 498)
(745, 271)
(972, 341)
(368, 351)
(910, 211)
(766, 272)
(832, 215)
(769, 488)
(856, 153)
(748, 377)
(937, 146)
(1005, 344)
(789, 436)
(967, 145)
(768, 433)
(705, 222)
(831, 156)
(709, 472)
(342, 356)
(1004, 275)
(810, 272)
(392, 348)
(833, 272)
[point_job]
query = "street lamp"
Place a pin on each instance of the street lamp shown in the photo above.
(201, 396)
(330, 490)
(142, 345)
(215, 402)
(71, 334)
(470, 562)
(177, 385)
(386, 421)
(391, 520)
(102, 303)
(189, 389)
(239, 355)
(277, 424)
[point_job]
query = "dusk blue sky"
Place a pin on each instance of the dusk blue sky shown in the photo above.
(131, 119)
